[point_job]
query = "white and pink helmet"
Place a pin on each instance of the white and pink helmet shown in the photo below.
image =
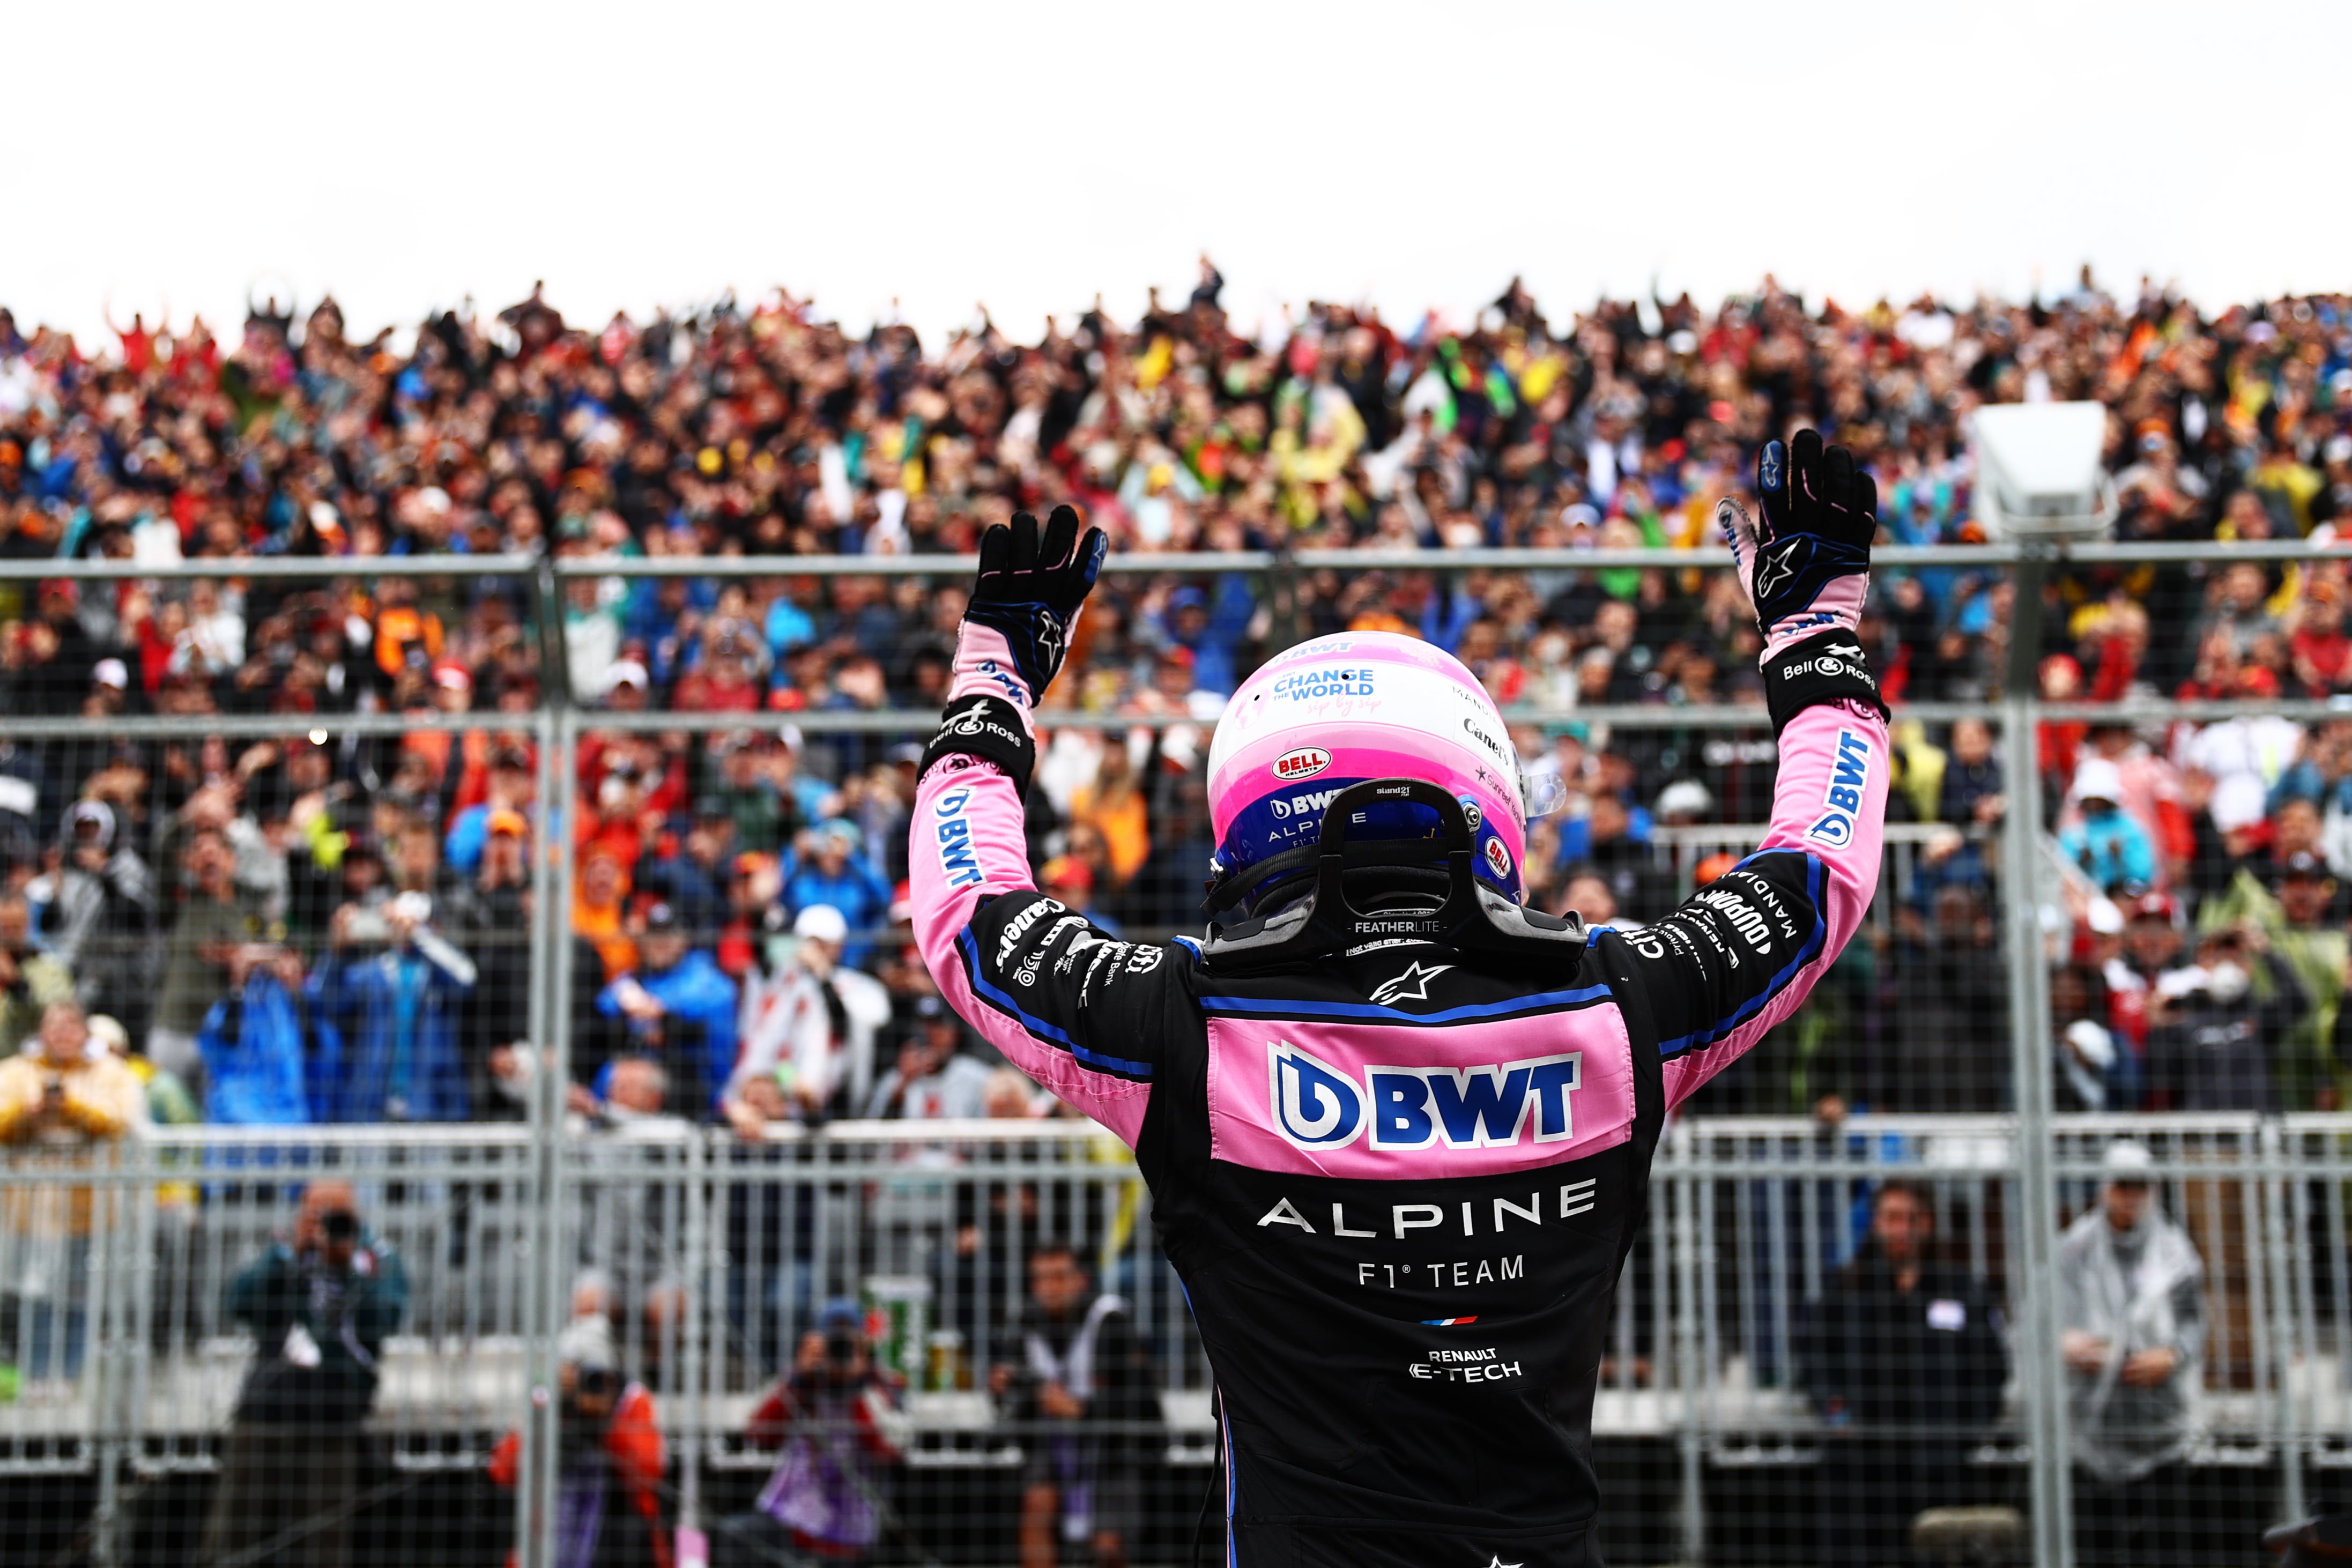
(1358, 705)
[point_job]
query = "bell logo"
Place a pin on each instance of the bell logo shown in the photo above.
(1304, 763)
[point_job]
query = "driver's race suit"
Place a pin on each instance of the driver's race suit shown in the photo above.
(1398, 1182)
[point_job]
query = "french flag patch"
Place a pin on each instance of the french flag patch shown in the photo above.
(1446, 1322)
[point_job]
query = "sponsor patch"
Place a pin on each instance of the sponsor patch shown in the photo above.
(1849, 782)
(1498, 859)
(1304, 763)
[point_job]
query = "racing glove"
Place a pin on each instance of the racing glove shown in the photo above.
(1016, 631)
(1806, 567)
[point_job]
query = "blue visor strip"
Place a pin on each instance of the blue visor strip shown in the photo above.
(1004, 1002)
(1265, 1008)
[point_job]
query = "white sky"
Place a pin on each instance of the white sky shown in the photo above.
(1028, 155)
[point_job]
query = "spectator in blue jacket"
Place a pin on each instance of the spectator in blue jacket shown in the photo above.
(830, 867)
(401, 1012)
(253, 1043)
(679, 1007)
(2113, 850)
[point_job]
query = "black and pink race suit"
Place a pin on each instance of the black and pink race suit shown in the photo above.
(1398, 1182)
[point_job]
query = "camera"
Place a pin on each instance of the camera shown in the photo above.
(340, 1225)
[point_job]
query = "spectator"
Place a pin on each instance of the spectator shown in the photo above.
(1072, 1363)
(489, 916)
(30, 979)
(1970, 793)
(828, 868)
(2096, 1071)
(609, 1457)
(211, 921)
(1952, 1045)
(1903, 1357)
(678, 1007)
(64, 1101)
(258, 1054)
(808, 1026)
(97, 910)
(400, 1012)
(2296, 917)
(320, 1305)
(2112, 849)
(823, 1499)
(933, 1079)
(2212, 1043)
(2131, 1316)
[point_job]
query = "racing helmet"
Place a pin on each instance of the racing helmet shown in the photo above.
(1354, 709)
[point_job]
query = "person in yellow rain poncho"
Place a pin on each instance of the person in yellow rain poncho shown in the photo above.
(67, 1104)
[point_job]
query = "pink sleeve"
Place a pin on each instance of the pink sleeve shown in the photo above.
(1802, 896)
(1021, 968)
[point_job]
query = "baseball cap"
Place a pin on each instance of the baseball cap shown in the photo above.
(627, 673)
(2301, 863)
(709, 807)
(840, 828)
(111, 672)
(823, 922)
(2128, 1160)
(1069, 871)
(507, 819)
(2098, 779)
(2152, 906)
(661, 919)
(453, 678)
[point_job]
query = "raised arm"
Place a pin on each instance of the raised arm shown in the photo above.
(1743, 953)
(1057, 995)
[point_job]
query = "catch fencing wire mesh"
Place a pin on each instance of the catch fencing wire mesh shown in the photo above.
(1766, 1369)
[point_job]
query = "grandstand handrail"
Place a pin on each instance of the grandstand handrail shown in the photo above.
(1481, 557)
(210, 567)
(1144, 563)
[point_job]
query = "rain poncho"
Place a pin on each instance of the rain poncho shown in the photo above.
(2135, 1289)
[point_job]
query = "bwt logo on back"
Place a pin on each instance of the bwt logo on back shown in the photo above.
(1849, 777)
(1318, 1106)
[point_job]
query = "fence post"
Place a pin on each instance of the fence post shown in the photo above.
(2041, 1381)
(2288, 1345)
(545, 1299)
(1689, 1374)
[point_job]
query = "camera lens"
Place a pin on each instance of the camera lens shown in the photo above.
(340, 1226)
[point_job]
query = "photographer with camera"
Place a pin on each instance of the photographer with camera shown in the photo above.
(610, 1454)
(321, 1304)
(822, 1501)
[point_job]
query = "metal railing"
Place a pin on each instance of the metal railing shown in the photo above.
(711, 1257)
(1741, 1234)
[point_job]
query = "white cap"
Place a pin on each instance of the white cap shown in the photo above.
(2106, 917)
(627, 670)
(2127, 1159)
(2098, 779)
(111, 672)
(1684, 796)
(823, 922)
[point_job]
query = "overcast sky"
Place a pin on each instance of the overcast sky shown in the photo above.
(1028, 155)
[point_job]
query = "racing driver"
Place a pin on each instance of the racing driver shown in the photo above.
(1397, 1126)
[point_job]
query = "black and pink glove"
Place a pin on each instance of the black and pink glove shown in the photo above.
(1806, 567)
(1017, 632)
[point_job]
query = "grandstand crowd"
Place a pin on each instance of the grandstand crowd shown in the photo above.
(319, 926)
